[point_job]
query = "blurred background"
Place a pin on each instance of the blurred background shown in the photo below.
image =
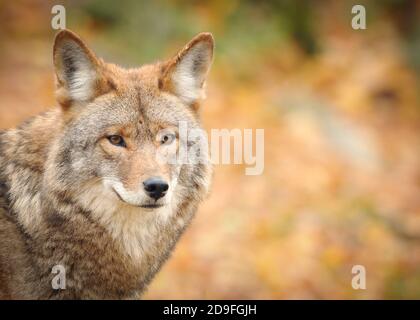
(341, 113)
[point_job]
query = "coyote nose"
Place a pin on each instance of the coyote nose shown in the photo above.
(155, 187)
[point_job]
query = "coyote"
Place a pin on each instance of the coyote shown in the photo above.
(80, 185)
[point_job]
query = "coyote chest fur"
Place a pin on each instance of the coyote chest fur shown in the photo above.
(86, 186)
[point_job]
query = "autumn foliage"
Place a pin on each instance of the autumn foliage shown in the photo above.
(341, 113)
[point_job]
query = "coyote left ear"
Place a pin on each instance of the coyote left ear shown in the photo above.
(185, 74)
(78, 71)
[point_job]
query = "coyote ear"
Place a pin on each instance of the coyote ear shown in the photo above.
(76, 68)
(185, 74)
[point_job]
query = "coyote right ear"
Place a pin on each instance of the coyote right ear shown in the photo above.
(78, 71)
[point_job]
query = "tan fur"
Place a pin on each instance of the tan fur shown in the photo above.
(70, 197)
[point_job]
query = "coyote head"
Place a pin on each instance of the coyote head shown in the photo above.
(116, 121)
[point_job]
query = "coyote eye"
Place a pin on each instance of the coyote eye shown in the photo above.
(117, 140)
(167, 138)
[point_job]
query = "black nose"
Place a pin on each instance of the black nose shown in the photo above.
(155, 187)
